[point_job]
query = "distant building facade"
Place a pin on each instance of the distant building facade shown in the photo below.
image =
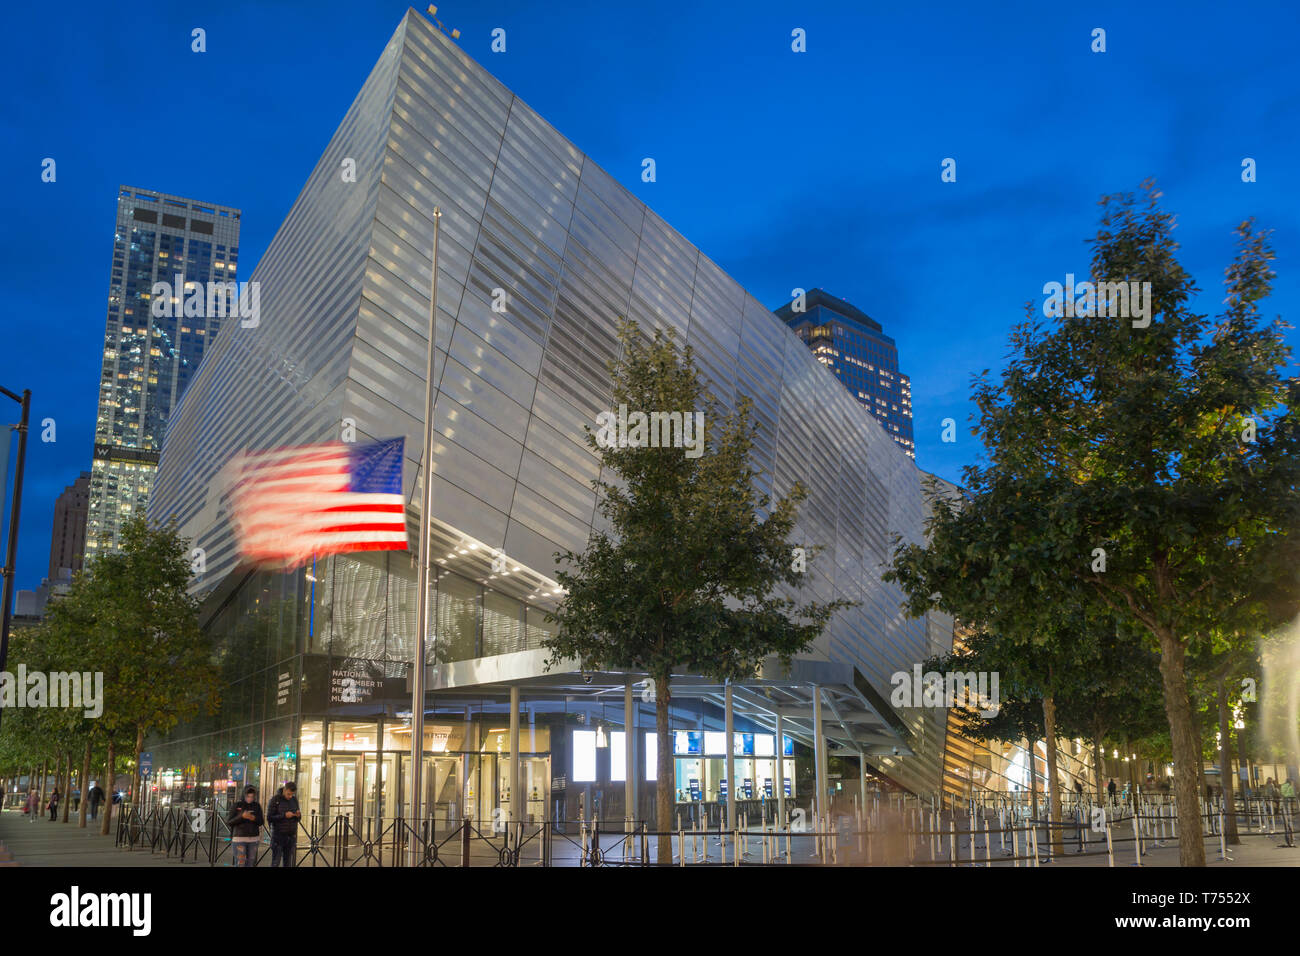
(68, 536)
(149, 358)
(29, 606)
(855, 347)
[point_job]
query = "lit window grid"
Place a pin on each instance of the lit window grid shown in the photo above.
(145, 361)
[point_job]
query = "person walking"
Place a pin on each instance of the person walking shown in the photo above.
(283, 815)
(1110, 789)
(246, 828)
(96, 798)
(33, 803)
(54, 804)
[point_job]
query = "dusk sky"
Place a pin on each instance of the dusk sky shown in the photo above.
(787, 169)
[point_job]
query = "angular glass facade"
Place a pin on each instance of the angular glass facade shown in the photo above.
(534, 227)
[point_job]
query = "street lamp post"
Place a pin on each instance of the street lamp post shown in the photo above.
(11, 551)
(425, 557)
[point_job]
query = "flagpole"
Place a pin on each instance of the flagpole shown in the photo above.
(425, 561)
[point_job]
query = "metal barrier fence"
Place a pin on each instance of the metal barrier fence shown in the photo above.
(904, 831)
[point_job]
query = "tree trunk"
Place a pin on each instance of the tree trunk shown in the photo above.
(58, 775)
(45, 773)
(1178, 711)
(1033, 787)
(1198, 731)
(665, 773)
(1053, 783)
(85, 790)
(135, 774)
(67, 792)
(1243, 765)
(109, 791)
(1097, 760)
(1225, 766)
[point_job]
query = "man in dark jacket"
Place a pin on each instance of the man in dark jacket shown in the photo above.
(246, 828)
(283, 815)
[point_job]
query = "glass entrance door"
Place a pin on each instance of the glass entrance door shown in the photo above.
(441, 782)
(443, 774)
(371, 797)
(537, 786)
(487, 791)
(344, 792)
(391, 798)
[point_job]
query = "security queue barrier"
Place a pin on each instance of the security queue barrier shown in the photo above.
(904, 831)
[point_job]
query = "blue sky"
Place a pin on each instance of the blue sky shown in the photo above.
(813, 169)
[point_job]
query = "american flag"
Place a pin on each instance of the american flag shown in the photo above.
(289, 504)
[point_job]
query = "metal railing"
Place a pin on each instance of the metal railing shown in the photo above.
(901, 832)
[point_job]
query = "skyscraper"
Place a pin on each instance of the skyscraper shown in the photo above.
(150, 352)
(68, 537)
(855, 347)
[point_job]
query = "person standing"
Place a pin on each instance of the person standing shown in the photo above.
(54, 804)
(33, 803)
(246, 828)
(96, 798)
(283, 814)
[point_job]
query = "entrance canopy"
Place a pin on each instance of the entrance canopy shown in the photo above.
(855, 718)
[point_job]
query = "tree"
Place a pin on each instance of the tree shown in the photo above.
(166, 670)
(129, 617)
(1152, 457)
(684, 579)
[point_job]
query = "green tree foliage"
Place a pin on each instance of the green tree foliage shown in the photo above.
(685, 578)
(129, 617)
(1150, 469)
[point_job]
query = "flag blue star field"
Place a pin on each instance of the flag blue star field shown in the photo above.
(288, 504)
